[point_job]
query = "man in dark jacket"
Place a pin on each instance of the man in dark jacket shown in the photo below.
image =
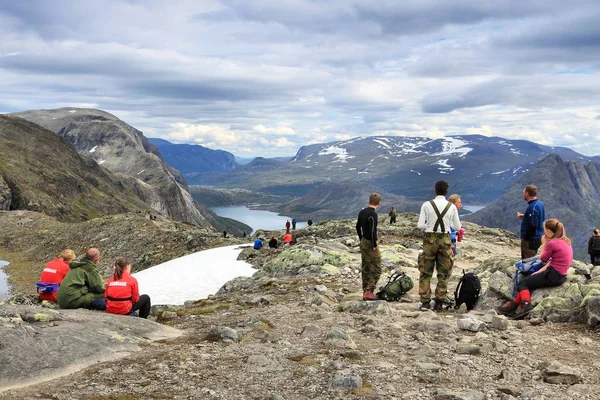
(83, 286)
(366, 227)
(532, 223)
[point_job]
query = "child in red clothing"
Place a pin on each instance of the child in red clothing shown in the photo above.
(53, 274)
(122, 295)
(557, 252)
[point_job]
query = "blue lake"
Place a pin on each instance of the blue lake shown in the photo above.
(256, 219)
(472, 209)
(4, 289)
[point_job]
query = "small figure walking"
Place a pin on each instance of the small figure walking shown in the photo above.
(293, 224)
(392, 215)
(287, 226)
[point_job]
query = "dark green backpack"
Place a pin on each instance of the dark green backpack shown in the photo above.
(398, 284)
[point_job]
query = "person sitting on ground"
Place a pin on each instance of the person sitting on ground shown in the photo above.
(83, 286)
(594, 247)
(258, 244)
(556, 250)
(287, 239)
(122, 294)
(53, 274)
(273, 243)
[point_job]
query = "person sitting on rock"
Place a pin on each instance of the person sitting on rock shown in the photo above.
(594, 247)
(258, 244)
(122, 294)
(53, 274)
(287, 239)
(83, 286)
(273, 243)
(556, 250)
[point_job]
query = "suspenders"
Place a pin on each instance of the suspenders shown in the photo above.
(440, 221)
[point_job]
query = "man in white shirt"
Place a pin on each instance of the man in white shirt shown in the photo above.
(436, 218)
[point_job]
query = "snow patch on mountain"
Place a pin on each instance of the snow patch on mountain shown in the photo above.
(341, 155)
(381, 142)
(93, 150)
(444, 166)
(416, 172)
(500, 172)
(453, 146)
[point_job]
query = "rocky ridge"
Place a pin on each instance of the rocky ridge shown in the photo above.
(297, 329)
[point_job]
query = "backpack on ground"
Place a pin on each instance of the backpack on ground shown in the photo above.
(467, 291)
(526, 267)
(398, 284)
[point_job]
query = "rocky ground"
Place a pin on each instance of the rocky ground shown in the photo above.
(298, 330)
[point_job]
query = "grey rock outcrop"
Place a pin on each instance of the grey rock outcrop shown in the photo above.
(40, 344)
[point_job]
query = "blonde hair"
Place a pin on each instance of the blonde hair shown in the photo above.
(453, 198)
(557, 228)
(67, 255)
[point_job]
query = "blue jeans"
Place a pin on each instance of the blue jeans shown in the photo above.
(98, 304)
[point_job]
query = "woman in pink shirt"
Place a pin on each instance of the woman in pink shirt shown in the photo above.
(557, 253)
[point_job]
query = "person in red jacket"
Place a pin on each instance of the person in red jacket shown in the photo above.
(53, 274)
(122, 295)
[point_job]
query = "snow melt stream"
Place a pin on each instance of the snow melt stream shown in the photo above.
(194, 276)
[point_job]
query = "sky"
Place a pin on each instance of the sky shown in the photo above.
(262, 78)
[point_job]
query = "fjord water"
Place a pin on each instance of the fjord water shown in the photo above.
(256, 219)
(4, 290)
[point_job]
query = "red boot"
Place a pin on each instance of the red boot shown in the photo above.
(369, 295)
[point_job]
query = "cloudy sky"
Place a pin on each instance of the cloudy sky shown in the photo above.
(264, 77)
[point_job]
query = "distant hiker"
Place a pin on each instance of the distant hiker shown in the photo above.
(273, 243)
(287, 225)
(244, 234)
(53, 274)
(594, 247)
(83, 286)
(437, 247)
(224, 234)
(366, 227)
(287, 239)
(122, 294)
(152, 217)
(556, 250)
(294, 224)
(392, 215)
(532, 223)
(258, 244)
(454, 235)
(309, 222)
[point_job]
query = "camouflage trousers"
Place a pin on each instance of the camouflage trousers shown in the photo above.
(437, 253)
(371, 265)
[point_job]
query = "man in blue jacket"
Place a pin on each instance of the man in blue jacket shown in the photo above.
(532, 223)
(258, 244)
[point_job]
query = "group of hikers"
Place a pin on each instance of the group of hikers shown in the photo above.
(77, 283)
(441, 224)
(287, 238)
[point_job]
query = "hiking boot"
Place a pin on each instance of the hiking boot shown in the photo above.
(440, 304)
(523, 310)
(369, 295)
(508, 309)
(425, 306)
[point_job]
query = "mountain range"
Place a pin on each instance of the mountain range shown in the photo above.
(480, 168)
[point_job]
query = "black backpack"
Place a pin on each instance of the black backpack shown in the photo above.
(467, 291)
(596, 243)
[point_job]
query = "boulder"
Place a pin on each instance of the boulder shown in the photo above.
(367, 307)
(306, 259)
(345, 382)
(593, 311)
(470, 324)
(339, 338)
(447, 394)
(557, 373)
(501, 285)
(236, 284)
(222, 334)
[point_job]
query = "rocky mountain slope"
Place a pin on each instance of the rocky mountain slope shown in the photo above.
(297, 330)
(191, 159)
(570, 191)
(478, 167)
(213, 197)
(338, 200)
(41, 171)
(124, 151)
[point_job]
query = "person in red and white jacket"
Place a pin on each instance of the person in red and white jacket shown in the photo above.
(53, 274)
(122, 295)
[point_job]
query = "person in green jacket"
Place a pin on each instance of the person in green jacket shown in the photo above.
(83, 286)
